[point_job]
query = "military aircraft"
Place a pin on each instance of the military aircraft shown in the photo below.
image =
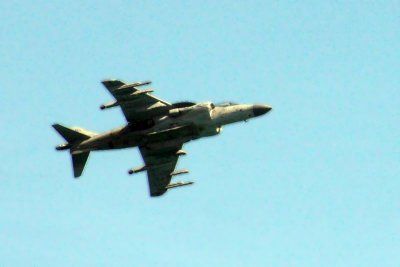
(157, 127)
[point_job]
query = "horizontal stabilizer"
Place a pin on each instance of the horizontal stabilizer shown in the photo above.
(72, 135)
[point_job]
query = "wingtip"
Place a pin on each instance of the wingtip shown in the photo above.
(55, 125)
(106, 81)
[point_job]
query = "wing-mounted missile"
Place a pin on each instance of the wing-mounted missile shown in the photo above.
(181, 152)
(109, 105)
(63, 146)
(124, 92)
(138, 169)
(179, 172)
(130, 86)
(144, 167)
(126, 98)
(135, 94)
(178, 184)
(118, 86)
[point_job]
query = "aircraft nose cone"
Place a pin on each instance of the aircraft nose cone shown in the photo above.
(259, 110)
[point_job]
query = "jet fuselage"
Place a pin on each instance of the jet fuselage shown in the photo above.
(158, 128)
(187, 123)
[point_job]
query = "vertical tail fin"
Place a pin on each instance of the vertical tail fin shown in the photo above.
(78, 162)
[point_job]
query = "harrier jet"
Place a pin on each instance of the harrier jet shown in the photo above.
(157, 127)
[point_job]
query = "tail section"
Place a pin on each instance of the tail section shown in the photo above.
(78, 162)
(73, 136)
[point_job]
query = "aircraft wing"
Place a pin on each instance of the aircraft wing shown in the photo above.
(136, 104)
(160, 165)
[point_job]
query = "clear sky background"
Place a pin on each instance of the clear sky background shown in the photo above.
(314, 183)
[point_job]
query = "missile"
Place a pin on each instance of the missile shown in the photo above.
(138, 169)
(146, 167)
(63, 146)
(181, 152)
(132, 96)
(109, 105)
(141, 92)
(130, 87)
(178, 184)
(136, 84)
(124, 99)
(179, 172)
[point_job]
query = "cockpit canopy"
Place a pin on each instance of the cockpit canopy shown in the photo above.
(226, 104)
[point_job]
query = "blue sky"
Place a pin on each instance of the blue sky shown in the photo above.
(314, 183)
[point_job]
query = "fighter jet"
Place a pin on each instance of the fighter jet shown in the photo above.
(159, 129)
